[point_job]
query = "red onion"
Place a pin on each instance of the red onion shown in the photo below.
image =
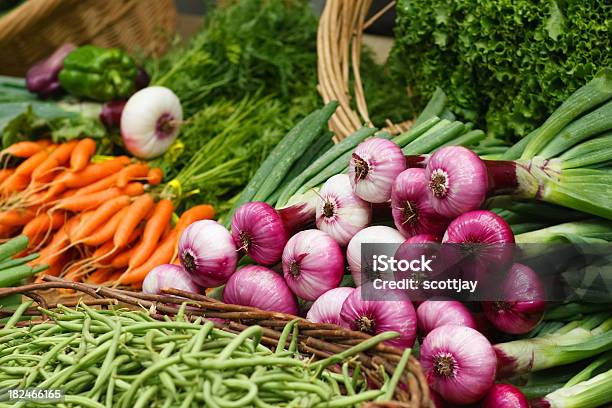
(326, 309)
(485, 238)
(521, 305)
(208, 253)
(457, 181)
(375, 317)
(111, 112)
(434, 313)
(505, 396)
(412, 211)
(260, 287)
(42, 77)
(258, 230)
(375, 164)
(423, 239)
(459, 363)
(437, 400)
(340, 212)
(168, 276)
(413, 248)
(312, 264)
(372, 235)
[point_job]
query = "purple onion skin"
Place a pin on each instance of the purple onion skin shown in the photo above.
(375, 317)
(169, 276)
(142, 79)
(459, 363)
(312, 264)
(521, 306)
(258, 230)
(437, 400)
(42, 77)
(260, 287)
(412, 211)
(327, 308)
(457, 181)
(434, 313)
(111, 112)
(208, 253)
(505, 396)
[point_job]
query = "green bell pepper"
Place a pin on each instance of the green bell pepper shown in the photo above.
(98, 73)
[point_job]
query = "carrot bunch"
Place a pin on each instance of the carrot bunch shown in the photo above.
(98, 221)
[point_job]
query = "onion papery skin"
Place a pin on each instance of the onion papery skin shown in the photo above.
(208, 253)
(457, 181)
(375, 164)
(412, 212)
(505, 396)
(312, 264)
(340, 213)
(521, 305)
(258, 230)
(378, 234)
(260, 287)
(150, 121)
(327, 308)
(168, 276)
(459, 363)
(434, 313)
(484, 241)
(375, 317)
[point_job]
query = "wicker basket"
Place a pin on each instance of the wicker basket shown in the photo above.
(318, 340)
(35, 29)
(339, 52)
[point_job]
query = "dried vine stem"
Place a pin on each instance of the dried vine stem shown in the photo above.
(318, 340)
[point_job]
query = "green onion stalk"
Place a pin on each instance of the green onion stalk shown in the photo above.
(574, 341)
(591, 393)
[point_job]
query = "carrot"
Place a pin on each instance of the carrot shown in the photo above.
(137, 211)
(107, 231)
(103, 184)
(197, 213)
(52, 253)
(64, 151)
(16, 218)
(152, 232)
(81, 154)
(123, 259)
(92, 173)
(134, 189)
(163, 254)
(103, 250)
(23, 150)
(132, 172)
(100, 276)
(77, 203)
(57, 158)
(30, 164)
(42, 224)
(155, 176)
(6, 231)
(15, 182)
(5, 173)
(102, 253)
(101, 215)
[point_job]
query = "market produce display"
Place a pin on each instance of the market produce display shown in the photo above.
(205, 188)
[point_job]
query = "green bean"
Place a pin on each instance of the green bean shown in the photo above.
(199, 338)
(110, 388)
(348, 381)
(17, 314)
(208, 398)
(106, 368)
(73, 385)
(53, 353)
(389, 387)
(352, 400)
(145, 397)
(82, 401)
(188, 399)
(239, 340)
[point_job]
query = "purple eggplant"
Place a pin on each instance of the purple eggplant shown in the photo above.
(111, 113)
(42, 77)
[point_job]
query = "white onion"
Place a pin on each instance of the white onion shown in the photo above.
(372, 235)
(150, 121)
(340, 212)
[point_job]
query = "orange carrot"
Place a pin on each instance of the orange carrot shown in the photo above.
(7, 231)
(123, 259)
(24, 150)
(52, 253)
(101, 215)
(134, 189)
(16, 218)
(64, 151)
(57, 158)
(100, 276)
(5, 173)
(30, 164)
(155, 176)
(163, 254)
(15, 182)
(43, 223)
(87, 202)
(132, 172)
(103, 184)
(137, 211)
(107, 231)
(153, 230)
(103, 252)
(81, 154)
(92, 173)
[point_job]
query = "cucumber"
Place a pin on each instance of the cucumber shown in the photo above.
(9, 263)
(434, 138)
(330, 156)
(415, 131)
